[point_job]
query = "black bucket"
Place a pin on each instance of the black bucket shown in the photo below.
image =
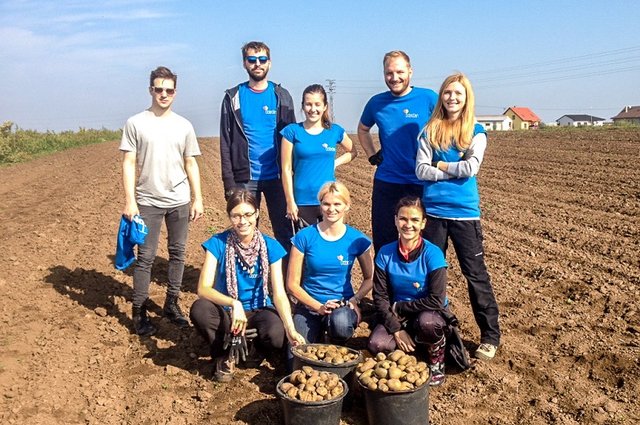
(298, 412)
(399, 407)
(341, 370)
(344, 370)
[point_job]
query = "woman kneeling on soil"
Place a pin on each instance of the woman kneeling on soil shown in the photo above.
(328, 249)
(409, 291)
(233, 292)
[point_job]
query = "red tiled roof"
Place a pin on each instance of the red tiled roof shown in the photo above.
(628, 112)
(524, 114)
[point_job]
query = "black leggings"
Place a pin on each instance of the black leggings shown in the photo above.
(213, 322)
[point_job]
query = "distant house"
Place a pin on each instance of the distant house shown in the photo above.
(629, 115)
(523, 118)
(579, 120)
(495, 122)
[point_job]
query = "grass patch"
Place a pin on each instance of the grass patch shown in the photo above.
(17, 145)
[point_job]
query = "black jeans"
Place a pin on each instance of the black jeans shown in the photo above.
(213, 322)
(466, 236)
(383, 204)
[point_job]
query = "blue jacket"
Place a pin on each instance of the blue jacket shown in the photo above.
(130, 234)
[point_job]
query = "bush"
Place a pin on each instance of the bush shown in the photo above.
(22, 145)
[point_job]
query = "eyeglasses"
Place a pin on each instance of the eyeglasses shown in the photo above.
(254, 59)
(159, 90)
(237, 217)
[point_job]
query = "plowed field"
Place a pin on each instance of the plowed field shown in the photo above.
(562, 241)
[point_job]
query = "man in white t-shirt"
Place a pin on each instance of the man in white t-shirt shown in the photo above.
(162, 146)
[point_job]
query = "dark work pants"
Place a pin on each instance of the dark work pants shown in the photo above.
(384, 199)
(177, 222)
(466, 236)
(213, 322)
(427, 327)
(276, 205)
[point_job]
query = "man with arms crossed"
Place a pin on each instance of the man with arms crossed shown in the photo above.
(163, 146)
(253, 113)
(400, 114)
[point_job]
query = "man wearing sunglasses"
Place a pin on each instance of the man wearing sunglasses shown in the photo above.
(162, 145)
(253, 113)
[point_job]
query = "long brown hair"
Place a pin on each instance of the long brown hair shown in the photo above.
(442, 132)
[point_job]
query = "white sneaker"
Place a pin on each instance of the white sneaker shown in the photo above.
(485, 351)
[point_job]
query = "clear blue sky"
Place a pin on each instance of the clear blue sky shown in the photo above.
(71, 64)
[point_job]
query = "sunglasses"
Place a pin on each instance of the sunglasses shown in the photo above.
(159, 90)
(254, 59)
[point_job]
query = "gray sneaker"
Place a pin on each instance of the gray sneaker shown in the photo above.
(485, 351)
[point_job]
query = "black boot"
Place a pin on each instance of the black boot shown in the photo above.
(172, 312)
(141, 323)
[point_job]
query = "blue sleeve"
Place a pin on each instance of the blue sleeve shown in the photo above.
(300, 240)
(289, 132)
(478, 129)
(216, 245)
(339, 132)
(274, 250)
(382, 259)
(367, 117)
(363, 244)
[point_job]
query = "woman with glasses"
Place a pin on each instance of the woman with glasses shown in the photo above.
(308, 155)
(326, 298)
(451, 149)
(233, 288)
(409, 291)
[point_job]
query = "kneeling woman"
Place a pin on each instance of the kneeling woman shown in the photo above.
(328, 249)
(409, 291)
(233, 292)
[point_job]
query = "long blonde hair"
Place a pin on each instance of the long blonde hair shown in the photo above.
(443, 133)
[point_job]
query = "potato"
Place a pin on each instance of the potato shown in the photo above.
(292, 392)
(381, 372)
(394, 372)
(286, 386)
(396, 355)
(394, 385)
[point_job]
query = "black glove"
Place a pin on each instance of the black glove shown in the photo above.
(376, 158)
(237, 344)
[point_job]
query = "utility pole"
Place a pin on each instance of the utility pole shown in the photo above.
(331, 88)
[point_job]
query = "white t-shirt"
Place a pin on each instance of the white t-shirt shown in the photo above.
(160, 144)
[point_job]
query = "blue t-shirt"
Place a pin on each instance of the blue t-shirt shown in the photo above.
(313, 160)
(453, 198)
(259, 116)
(399, 121)
(328, 264)
(409, 281)
(250, 287)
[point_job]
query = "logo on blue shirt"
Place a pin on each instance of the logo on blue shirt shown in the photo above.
(409, 114)
(268, 111)
(343, 262)
(328, 148)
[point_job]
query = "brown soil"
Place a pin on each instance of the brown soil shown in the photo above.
(562, 229)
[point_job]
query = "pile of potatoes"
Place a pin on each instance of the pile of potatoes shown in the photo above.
(397, 371)
(308, 384)
(327, 353)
